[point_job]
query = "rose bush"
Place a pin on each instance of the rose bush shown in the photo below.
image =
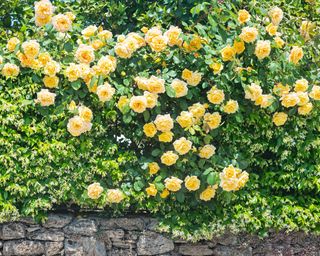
(216, 118)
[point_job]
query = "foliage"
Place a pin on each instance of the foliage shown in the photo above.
(42, 166)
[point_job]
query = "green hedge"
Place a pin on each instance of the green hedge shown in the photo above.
(42, 167)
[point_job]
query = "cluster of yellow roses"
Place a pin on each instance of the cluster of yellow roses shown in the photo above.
(299, 97)
(79, 123)
(95, 190)
(263, 47)
(232, 179)
(44, 15)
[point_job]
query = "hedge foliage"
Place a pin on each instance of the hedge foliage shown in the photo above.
(95, 141)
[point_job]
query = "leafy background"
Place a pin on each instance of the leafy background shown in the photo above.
(42, 167)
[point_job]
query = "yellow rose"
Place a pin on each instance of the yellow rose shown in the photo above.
(263, 49)
(212, 120)
(296, 54)
(62, 23)
(192, 78)
(238, 46)
(149, 130)
(229, 184)
(151, 33)
(264, 100)
(229, 172)
(85, 54)
(52, 68)
(151, 190)
(97, 44)
(122, 51)
(242, 180)
(51, 81)
(45, 98)
(72, 72)
(216, 67)
(315, 92)
(185, 119)
(215, 96)
(165, 137)
(85, 113)
(279, 118)
(305, 29)
(31, 48)
(94, 190)
(253, 91)
(156, 85)
(272, 29)
(276, 15)
(40, 21)
(105, 92)
(192, 183)
(169, 158)
(208, 193)
(89, 31)
(141, 82)
(12, 44)
(122, 103)
(186, 74)
(43, 8)
(165, 193)
(279, 42)
(243, 16)
(164, 123)
(138, 104)
(158, 43)
(301, 85)
(139, 40)
(249, 34)
(228, 53)
(24, 60)
(303, 98)
(289, 100)
(115, 195)
(231, 107)
(76, 126)
(180, 88)
(197, 110)
(72, 106)
(105, 35)
(194, 44)
(182, 146)
(10, 70)
(152, 99)
(71, 16)
(173, 184)
(107, 64)
(173, 35)
(207, 151)
(280, 90)
(153, 168)
(44, 58)
(305, 109)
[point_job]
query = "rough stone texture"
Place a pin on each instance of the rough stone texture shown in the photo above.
(67, 235)
(151, 243)
(85, 227)
(195, 249)
(12, 231)
(57, 220)
(23, 247)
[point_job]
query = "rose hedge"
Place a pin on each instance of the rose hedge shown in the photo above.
(151, 120)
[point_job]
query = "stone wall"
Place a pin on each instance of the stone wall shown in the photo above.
(95, 236)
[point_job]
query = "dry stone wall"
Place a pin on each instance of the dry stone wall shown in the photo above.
(65, 234)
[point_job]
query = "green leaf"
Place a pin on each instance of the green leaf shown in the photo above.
(76, 85)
